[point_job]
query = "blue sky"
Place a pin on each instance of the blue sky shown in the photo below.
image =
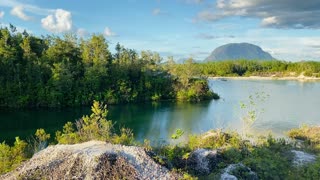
(289, 29)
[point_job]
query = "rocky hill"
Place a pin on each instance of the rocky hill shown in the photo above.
(235, 51)
(91, 160)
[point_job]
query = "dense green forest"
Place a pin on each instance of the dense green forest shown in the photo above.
(53, 71)
(257, 68)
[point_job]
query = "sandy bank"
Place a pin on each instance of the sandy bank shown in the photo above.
(295, 78)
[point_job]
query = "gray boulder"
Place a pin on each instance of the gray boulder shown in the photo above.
(301, 158)
(228, 173)
(202, 161)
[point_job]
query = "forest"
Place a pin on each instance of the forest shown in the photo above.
(53, 71)
(258, 68)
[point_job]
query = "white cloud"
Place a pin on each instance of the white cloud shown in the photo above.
(268, 21)
(156, 11)
(1, 14)
(82, 32)
(194, 1)
(18, 11)
(60, 21)
(284, 14)
(108, 32)
(27, 7)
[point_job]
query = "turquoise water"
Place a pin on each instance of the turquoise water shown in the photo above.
(288, 104)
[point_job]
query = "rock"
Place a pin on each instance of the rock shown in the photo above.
(202, 161)
(91, 160)
(242, 169)
(301, 158)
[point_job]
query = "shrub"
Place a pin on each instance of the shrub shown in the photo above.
(126, 137)
(310, 136)
(41, 140)
(93, 127)
(11, 157)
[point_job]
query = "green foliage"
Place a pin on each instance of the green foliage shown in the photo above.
(126, 137)
(41, 140)
(55, 71)
(250, 111)
(268, 164)
(147, 145)
(197, 90)
(309, 135)
(308, 171)
(214, 139)
(177, 134)
(187, 176)
(11, 157)
(258, 68)
(242, 173)
(68, 134)
(41, 135)
(93, 127)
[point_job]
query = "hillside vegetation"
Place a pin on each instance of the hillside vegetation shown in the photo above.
(255, 68)
(55, 71)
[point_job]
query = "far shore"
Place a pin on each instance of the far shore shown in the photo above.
(296, 78)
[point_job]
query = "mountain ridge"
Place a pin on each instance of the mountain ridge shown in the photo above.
(235, 51)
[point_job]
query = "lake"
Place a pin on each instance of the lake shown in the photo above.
(285, 105)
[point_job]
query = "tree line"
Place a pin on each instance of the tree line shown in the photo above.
(258, 68)
(53, 71)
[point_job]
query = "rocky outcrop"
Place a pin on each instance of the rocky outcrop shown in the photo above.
(301, 158)
(229, 171)
(91, 160)
(202, 161)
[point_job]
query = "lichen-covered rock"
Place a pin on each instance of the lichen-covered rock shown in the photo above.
(301, 158)
(91, 160)
(232, 170)
(202, 161)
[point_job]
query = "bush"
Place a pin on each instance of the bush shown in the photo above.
(309, 171)
(11, 157)
(93, 127)
(126, 137)
(197, 90)
(41, 140)
(309, 135)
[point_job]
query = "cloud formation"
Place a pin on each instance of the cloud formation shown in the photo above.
(209, 36)
(156, 11)
(1, 14)
(81, 32)
(26, 7)
(60, 21)
(56, 20)
(108, 32)
(194, 1)
(283, 14)
(18, 11)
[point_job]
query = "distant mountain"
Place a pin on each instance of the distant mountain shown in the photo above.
(234, 51)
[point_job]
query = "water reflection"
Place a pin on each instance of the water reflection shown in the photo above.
(290, 104)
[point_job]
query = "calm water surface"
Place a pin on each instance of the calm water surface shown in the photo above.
(288, 105)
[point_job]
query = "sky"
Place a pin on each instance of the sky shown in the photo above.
(287, 29)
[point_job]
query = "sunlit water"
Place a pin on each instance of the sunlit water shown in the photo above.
(288, 105)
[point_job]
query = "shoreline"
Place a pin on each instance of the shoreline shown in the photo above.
(297, 78)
